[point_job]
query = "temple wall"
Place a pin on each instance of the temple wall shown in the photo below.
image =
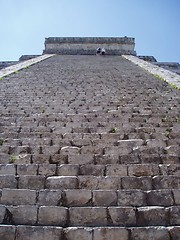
(88, 46)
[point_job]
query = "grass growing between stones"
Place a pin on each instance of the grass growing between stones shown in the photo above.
(159, 77)
(13, 158)
(174, 86)
(1, 141)
(113, 130)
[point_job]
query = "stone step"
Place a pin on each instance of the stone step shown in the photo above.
(83, 197)
(26, 232)
(94, 147)
(90, 216)
(139, 155)
(88, 168)
(89, 182)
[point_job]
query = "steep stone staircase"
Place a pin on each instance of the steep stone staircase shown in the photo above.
(90, 150)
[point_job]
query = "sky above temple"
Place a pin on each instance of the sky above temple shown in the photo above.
(153, 23)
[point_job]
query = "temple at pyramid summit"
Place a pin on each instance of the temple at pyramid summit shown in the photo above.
(89, 143)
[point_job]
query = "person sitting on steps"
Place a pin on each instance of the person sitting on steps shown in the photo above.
(103, 51)
(98, 51)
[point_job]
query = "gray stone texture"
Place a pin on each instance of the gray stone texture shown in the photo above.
(131, 198)
(150, 233)
(58, 182)
(174, 232)
(7, 232)
(31, 182)
(39, 232)
(110, 233)
(152, 216)
(8, 181)
(18, 197)
(104, 198)
(88, 216)
(72, 233)
(78, 197)
(50, 197)
(23, 214)
(89, 149)
(122, 216)
(52, 215)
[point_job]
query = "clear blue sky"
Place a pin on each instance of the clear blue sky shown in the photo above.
(155, 24)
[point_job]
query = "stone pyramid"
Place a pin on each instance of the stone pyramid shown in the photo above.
(89, 149)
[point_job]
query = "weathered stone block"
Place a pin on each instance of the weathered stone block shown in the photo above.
(7, 169)
(18, 197)
(5, 148)
(170, 169)
(172, 150)
(155, 142)
(27, 169)
(121, 216)
(23, 214)
(174, 215)
(47, 169)
(124, 147)
(152, 216)
(107, 159)
(150, 158)
(7, 232)
(176, 193)
(88, 216)
(31, 182)
(129, 159)
(50, 150)
(170, 159)
(174, 232)
(78, 197)
(59, 159)
(88, 182)
(150, 233)
(52, 215)
(139, 170)
(120, 150)
(160, 198)
(116, 170)
(110, 233)
(142, 183)
(4, 158)
(68, 170)
(98, 149)
(166, 182)
(81, 142)
(40, 158)
(68, 150)
(65, 182)
(131, 198)
(93, 182)
(8, 181)
(72, 233)
(5, 215)
(91, 169)
(38, 232)
(81, 159)
(104, 198)
(48, 197)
